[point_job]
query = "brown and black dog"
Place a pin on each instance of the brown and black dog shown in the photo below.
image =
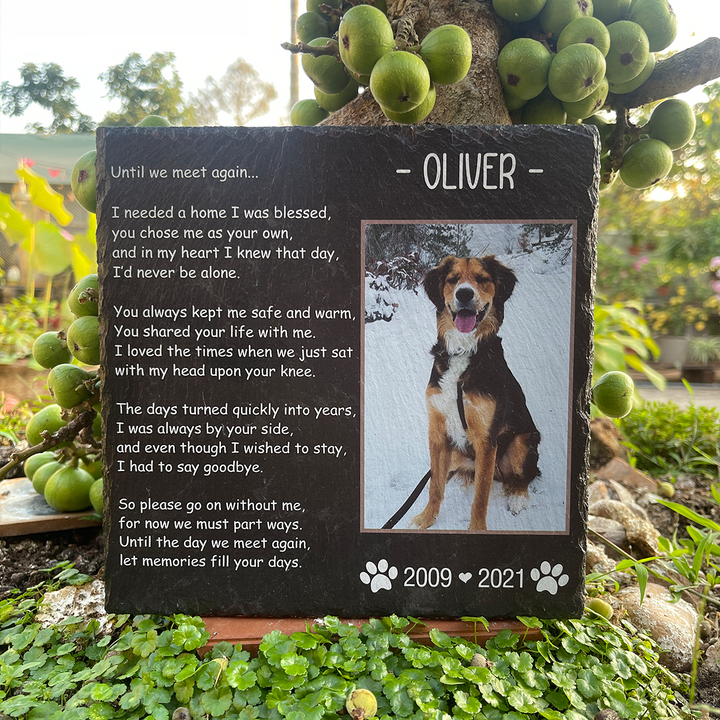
(480, 426)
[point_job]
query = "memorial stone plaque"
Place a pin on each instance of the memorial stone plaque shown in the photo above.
(299, 323)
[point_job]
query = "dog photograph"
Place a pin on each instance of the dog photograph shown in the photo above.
(467, 375)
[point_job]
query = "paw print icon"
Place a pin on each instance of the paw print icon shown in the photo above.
(548, 578)
(380, 576)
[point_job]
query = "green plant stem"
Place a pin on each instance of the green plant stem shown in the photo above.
(653, 572)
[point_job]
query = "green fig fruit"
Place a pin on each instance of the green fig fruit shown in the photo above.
(556, 14)
(599, 606)
(82, 181)
(307, 112)
(628, 52)
(97, 423)
(50, 349)
(657, 19)
(400, 81)
(325, 71)
(517, 11)
(96, 496)
(672, 122)
(34, 462)
(637, 81)
(154, 121)
(666, 490)
(44, 473)
(310, 25)
(447, 52)
(48, 418)
(589, 105)
(610, 11)
(416, 114)
(365, 35)
(92, 464)
(84, 341)
(68, 490)
(613, 394)
(575, 72)
(545, 109)
(65, 383)
(332, 103)
(645, 163)
(361, 704)
(523, 65)
(585, 30)
(513, 103)
(83, 298)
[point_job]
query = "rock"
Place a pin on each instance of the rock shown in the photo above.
(86, 601)
(671, 624)
(611, 530)
(640, 533)
(598, 491)
(604, 442)
(596, 561)
(618, 469)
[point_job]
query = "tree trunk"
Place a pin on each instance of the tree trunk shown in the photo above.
(478, 99)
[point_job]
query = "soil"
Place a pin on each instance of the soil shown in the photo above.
(26, 559)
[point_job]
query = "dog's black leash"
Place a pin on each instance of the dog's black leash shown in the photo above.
(419, 487)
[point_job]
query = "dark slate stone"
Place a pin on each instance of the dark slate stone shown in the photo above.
(185, 537)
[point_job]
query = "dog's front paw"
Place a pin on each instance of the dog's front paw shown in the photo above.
(517, 503)
(423, 521)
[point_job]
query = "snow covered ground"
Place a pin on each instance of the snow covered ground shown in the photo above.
(536, 337)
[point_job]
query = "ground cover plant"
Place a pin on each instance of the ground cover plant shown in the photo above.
(149, 666)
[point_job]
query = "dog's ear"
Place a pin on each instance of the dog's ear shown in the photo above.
(503, 277)
(435, 280)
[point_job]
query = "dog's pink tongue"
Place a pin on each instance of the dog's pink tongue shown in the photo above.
(465, 322)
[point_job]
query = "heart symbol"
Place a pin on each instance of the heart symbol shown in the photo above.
(52, 172)
(465, 576)
(28, 161)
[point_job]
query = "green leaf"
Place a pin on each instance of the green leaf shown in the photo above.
(294, 664)
(690, 514)
(217, 701)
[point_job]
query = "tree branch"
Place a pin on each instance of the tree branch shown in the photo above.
(70, 431)
(330, 48)
(683, 71)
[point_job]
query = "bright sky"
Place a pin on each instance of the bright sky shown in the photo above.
(206, 38)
